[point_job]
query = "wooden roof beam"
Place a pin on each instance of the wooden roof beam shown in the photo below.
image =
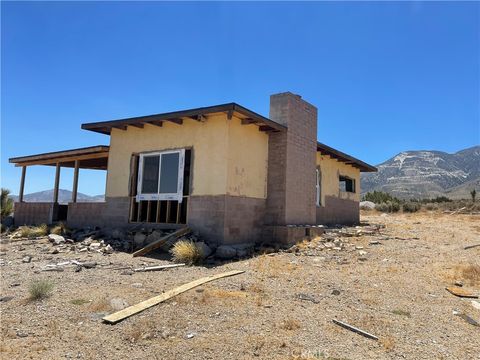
(248, 121)
(175, 121)
(137, 125)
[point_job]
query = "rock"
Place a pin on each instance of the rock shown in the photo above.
(358, 247)
(335, 292)
(78, 268)
(117, 234)
(108, 249)
(374, 242)
(127, 272)
(362, 253)
(27, 259)
(56, 239)
(139, 239)
(118, 304)
(21, 334)
(154, 236)
(204, 248)
(94, 246)
(190, 335)
(137, 285)
(367, 205)
(83, 249)
(362, 258)
(6, 298)
(15, 284)
(89, 264)
(226, 252)
(54, 251)
(458, 283)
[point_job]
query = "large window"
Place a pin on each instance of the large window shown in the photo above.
(347, 184)
(160, 176)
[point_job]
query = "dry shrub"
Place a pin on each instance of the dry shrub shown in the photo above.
(40, 289)
(388, 343)
(290, 324)
(471, 273)
(99, 305)
(33, 231)
(59, 229)
(185, 251)
(144, 329)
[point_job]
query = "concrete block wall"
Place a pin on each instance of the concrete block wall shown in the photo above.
(338, 211)
(88, 214)
(33, 213)
(292, 162)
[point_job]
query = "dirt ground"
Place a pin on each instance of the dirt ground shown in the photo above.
(281, 307)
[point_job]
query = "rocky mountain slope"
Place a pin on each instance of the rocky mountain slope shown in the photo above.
(64, 196)
(427, 174)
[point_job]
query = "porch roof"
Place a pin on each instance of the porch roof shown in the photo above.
(345, 158)
(92, 157)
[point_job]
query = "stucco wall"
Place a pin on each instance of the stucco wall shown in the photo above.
(228, 158)
(331, 169)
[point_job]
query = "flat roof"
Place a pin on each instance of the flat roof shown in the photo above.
(91, 157)
(247, 116)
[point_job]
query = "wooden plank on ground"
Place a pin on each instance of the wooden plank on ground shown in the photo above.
(471, 246)
(354, 329)
(156, 268)
(460, 292)
(161, 241)
(135, 309)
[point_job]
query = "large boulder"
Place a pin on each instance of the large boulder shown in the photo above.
(139, 239)
(56, 239)
(204, 248)
(226, 252)
(367, 205)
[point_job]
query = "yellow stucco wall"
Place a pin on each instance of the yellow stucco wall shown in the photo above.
(227, 158)
(331, 169)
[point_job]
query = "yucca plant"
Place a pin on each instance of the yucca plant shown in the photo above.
(6, 204)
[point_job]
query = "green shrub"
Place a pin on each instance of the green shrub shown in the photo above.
(411, 207)
(379, 197)
(40, 289)
(6, 204)
(388, 207)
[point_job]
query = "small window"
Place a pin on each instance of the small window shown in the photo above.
(160, 176)
(347, 184)
(317, 186)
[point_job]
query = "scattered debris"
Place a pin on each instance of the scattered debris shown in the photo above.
(354, 329)
(132, 310)
(27, 259)
(335, 292)
(458, 283)
(471, 246)
(158, 243)
(465, 317)
(157, 268)
(190, 335)
(461, 292)
(307, 297)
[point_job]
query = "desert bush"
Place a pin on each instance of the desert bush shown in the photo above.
(6, 204)
(471, 273)
(430, 206)
(411, 207)
(290, 324)
(33, 231)
(185, 251)
(389, 207)
(40, 289)
(379, 197)
(59, 229)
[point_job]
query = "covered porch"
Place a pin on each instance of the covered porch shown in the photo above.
(74, 213)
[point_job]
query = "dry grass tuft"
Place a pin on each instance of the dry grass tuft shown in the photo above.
(100, 305)
(33, 231)
(59, 229)
(290, 324)
(40, 289)
(145, 329)
(187, 252)
(388, 343)
(216, 293)
(471, 274)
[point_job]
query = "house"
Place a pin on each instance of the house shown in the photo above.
(230, 174)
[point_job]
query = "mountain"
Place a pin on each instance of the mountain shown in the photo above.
(64, 196)
(427, 174)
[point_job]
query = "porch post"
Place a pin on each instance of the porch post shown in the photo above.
(75, 181)
(57, 182)
(22, 184)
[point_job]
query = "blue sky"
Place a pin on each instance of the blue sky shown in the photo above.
(385, 76)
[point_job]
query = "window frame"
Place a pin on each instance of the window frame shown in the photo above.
(317, 187)
(347, 179)
(176, 196)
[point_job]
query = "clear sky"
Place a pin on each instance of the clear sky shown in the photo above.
(385, 76)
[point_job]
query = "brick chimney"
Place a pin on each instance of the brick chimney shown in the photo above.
(292, 162)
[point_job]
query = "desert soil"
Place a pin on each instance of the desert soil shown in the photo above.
(281, 307)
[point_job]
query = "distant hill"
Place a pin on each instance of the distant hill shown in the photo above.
(64, 196)
(427, 174)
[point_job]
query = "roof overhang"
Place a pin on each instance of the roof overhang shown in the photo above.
(345, 158)
(177, 117)
(92, 157)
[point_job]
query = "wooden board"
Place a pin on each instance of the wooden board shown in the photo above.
(161, 241)
(132, 310)
(156, 268)
(458, 291)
